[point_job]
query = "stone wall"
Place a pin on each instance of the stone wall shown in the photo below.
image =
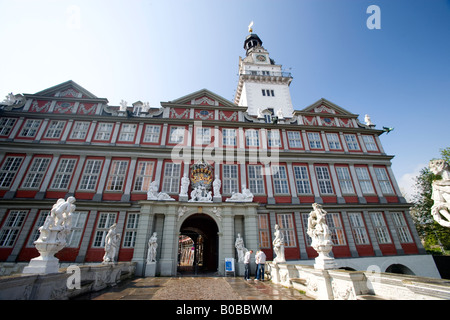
(63, 285)
(341, 284)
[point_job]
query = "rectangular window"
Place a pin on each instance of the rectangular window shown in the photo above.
(295, 139)
(63, 174)
(104, 131)
(263, 92)
(30, 128)
(129, 239)
(380, 227)
(6, 126)
(79, 131)
(202, 136)
(36, 173)
(273, 138)
(255, 179)
(324, 180)
(151, 134)
(383, 180)
(402, 227)
(286, 223)
(90, 175)
(55, 129)
(252, 138)
(308, 239)
(117, 175)
(9, 170)
(302, 179)
(176, 134)
(78, 222)
(337, 231)
(370, 144)
(144, 175)
(127, 132)
(364, 180)
(11, 228)
(264, 234)
(345, 180)
(352, 141)
(333, 141)
(314, 140)
(35, 233)
(230, 178)
(171, 182)
(280, 180)
(105, 221)
(358, 228)
(229, 137)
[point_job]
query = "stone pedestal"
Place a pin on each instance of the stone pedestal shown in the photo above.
(325, 263)
(217, 199)
(183, 198)
(40, 265)
(150, 269)
(240, 270)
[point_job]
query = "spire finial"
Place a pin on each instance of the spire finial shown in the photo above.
(250, 29)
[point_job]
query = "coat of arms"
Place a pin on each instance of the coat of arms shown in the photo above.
(201, 180)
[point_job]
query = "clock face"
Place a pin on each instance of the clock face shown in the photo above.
(261, 57)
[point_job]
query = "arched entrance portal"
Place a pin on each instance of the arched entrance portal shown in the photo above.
(198, 245)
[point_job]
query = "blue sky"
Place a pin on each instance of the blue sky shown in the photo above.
(161, 50)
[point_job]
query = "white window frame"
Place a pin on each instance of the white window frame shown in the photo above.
(229, 137)
(381, 230)
(63, 174)
(152, 133)
(230, 179)
(79, 219)
(9, 169)
(127, 132)
(36, 173)
(117, 176)
(130, 233)
(352, 142)
(402, 228)
(264, 232)
(177, 134)
(55, 129)
(11, 228)
(333, 141)
(345, 180)
(314, 140)
(79, 130)
(104, 131)
(172, 176)
(91, 174)
(6, 126)
(365, 182)
(370, 143)
(143, 177)
(35, 233)
(383, 181)
(274, 138)
(358, 228)
(287, 227)
(255, 179)
(302, 182)
(324, 180)
(202, 136)
(30, 128)
(280, 180)
(334, 223)
(295, 139)
(252, 138)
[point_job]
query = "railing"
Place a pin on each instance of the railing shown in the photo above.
(266, 73)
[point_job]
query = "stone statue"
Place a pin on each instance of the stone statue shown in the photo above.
(199, 194)
(441, 192)
(216, 186)
(123, 106)
(153, 194)
(10, 99)
(152, 246)
(278, 245)
(280, 114)
(240, 248)
(52, 237)
(368, 121)
(145, 107)
(217, 212)
(184, 185)
(321, 237)
(245, 196)
(112, 241)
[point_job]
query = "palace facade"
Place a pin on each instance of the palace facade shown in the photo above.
(65, 141)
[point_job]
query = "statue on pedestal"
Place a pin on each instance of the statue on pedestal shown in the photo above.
(152, 246)
(240, 248)
(112, 241)
(52, 238)
(184, 185)
(245, 196)
(278, 245)
(153, 194)
(321, 237)
(441, 192)
(216, 186)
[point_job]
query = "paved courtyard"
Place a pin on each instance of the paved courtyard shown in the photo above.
(196, 288)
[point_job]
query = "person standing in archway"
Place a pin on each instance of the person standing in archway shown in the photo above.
(247, 265)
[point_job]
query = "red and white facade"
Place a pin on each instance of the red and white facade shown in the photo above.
(64, 141)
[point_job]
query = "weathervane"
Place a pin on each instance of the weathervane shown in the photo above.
(250, 29)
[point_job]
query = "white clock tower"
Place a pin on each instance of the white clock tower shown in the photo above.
(262, 83)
